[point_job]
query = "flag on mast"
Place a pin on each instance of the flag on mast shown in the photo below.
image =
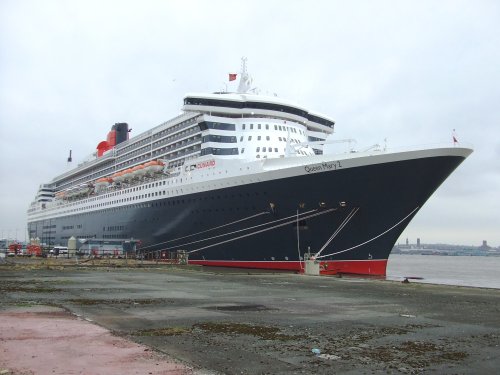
(455, 139)
(232, 76)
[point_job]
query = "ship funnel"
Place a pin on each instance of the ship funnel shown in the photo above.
(117, 134)
(121, 129)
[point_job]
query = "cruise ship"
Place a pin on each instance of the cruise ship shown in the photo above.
(245, 180)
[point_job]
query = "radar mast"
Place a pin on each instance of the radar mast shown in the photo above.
(245, 79)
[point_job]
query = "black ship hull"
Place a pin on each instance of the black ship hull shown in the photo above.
(351, 216)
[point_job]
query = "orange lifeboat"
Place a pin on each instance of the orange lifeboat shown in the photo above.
(148, 167)
(137, 171)
(153, 166)
(61, 194)
(157, 166)
(140, 171)
(102, 182)
(127, 174)
(117, 177)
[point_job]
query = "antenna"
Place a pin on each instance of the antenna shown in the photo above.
(244, 65)
(70, 159)
(245, 79)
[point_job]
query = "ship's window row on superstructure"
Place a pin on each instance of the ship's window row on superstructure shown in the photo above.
(169, 202)
(132, 146)
(219, 151)
(219, 138)
(144, 153)
(136, 152)
(174, 128)
(205, 125)
(129, 151)
(283, 128)
(242, 105)
(259, 105)
(176, 136)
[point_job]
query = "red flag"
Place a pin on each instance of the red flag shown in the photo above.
(232, 76)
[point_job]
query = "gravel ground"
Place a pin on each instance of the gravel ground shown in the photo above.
(247, 322)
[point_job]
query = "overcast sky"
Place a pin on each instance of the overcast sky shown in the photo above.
(407, 71)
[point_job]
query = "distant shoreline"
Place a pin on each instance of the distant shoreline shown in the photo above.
(443, 254)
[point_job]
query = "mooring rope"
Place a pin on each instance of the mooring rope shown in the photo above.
(265, 229)
(208, 230)
(341, 226)
(372, 239)
(242, 230)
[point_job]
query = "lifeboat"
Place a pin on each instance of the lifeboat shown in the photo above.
(116, 177)
(61, 194)
(157, 166)
(153, 166)
(71, 193)
(82, 191)
(127, 174)
(148, 168)
(102, 183)
(138, 171)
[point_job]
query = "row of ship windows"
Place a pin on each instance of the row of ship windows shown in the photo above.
(260, 105)
(276, 127)
(115, 236)
(174, 203)
(83, 236)
(114, 228)
(161, 153)
(125, 191)
(169, 130)
(115, 194)
(145, 156)
(125, 155)
(134, 145)
(219, 138)
(172, 148)
(246, 104)
(268, 138)
(270, 149)
(203, 126)
(123, 200)
(185, 154)
(174, 137)
(157, 153)
(175, 128)
(84, 177)
(69, 227)
(219, 151)
(132, 161)
(136, 152)
(108, 171)
(181, 201)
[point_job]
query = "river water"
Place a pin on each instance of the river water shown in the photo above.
(478, 271)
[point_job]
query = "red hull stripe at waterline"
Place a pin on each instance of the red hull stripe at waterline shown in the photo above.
(329, 267)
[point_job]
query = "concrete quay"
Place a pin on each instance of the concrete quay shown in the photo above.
(221, 321)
